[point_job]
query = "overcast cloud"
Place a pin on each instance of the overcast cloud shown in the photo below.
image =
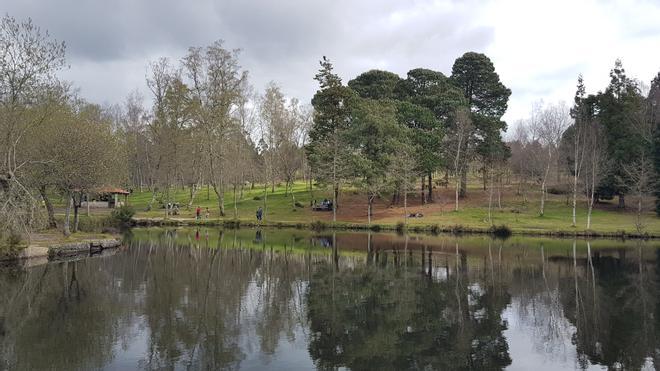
(538, 47)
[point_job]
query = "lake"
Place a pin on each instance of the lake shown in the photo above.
(301, 300)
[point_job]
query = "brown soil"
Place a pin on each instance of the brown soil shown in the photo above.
(353, 207)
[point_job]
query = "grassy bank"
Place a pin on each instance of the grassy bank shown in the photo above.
(518, 215)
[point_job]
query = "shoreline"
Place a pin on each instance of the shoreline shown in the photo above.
(33, 255)
(37, 254)
(436, 229)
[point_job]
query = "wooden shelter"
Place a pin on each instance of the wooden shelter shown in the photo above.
(107, 197)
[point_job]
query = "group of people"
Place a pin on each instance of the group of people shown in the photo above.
(172, 208)
(198, 213)
(207, 213)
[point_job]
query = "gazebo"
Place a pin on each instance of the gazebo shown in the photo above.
(112, 194)
(106, 197)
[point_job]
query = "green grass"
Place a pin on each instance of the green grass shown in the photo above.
(279, 207)
(556, 218)
(280, 241)
(472, 215)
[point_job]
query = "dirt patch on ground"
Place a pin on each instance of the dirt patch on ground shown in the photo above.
(353, 206)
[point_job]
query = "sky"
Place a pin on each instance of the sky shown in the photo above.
(538, 47)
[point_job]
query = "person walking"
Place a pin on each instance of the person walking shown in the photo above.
(207, 214)
(198, 213)
(260, 214)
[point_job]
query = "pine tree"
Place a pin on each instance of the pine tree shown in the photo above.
(327, 151)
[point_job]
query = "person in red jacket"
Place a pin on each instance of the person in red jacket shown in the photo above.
(198, 212)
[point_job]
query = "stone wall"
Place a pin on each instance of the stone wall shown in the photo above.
(81, 248)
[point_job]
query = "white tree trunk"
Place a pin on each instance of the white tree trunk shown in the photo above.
(490, 199)
(369, 210)
(67, 216)
(543, 190)
(575, 177)
(405, 203)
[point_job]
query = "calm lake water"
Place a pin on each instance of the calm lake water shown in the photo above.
(288, 300)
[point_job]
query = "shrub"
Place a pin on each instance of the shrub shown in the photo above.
(560, 189)
(299, 204)
(376, 227)
(400, 227)
(318, 225)
(232, 224)
(14, 239)
(435, 229)
(123, 214)
(502, 231)
(457, 229)
(257, 198)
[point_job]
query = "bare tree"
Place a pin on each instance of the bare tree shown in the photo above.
(580, 115)
(134, 129)
(272, 110)
(158, 82)
(461, 133)
(640, 180)
(289, 154)
(640, 173)
(217, 85)
(28, 63)
(595, 161)
(548, 125)
(403, 172)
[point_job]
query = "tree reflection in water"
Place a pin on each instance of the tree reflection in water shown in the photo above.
(278, 299)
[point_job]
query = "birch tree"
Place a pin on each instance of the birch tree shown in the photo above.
(217, 85)
(595, 159)
(461, 133)
(548, 127)
(577, 133)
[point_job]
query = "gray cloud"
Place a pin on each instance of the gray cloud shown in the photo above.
(280, 40)
(110, 42)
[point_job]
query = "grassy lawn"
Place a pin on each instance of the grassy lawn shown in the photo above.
(557, 218)
(473, 213)
(279, 206)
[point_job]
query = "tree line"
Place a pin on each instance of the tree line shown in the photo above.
(205, 128)
(606, 143)
(381, 131)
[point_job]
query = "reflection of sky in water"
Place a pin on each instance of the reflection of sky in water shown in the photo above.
(530, 346)
(291, 353)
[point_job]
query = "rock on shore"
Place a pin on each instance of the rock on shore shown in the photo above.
(81, 248)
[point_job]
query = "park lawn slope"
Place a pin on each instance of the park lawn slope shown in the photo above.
(519, 216)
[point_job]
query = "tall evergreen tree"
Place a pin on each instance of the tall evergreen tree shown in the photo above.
(375, 136)
(428, 91)
(653, 104)
(376, 84)
(328, 136)
(618, 107)
(487, 97)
